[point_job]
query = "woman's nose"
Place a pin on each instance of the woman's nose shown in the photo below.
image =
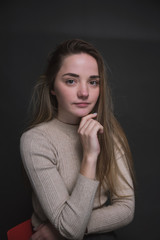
(83, 91)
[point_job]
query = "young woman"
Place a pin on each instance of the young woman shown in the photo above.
(75, 153)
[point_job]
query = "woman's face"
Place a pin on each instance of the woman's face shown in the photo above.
(76, 87)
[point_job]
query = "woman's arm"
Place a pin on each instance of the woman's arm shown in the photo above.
(68, 213)
(121, 210)
(88, 131)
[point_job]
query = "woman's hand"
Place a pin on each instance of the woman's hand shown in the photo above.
(88, 130)
(46, 232)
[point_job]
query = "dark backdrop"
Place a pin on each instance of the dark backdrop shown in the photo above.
(128, 35)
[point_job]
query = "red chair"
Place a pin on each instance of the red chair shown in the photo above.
(22, 231)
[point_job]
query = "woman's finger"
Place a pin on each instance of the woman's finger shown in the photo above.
(94, 128)
(85, 119)
(86, 125)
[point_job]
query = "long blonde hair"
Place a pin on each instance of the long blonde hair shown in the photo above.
(45, 107)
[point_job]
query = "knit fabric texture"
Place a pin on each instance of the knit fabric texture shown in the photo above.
(52, 154)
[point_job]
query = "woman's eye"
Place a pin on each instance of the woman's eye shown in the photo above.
(94, 83)
(70, 81)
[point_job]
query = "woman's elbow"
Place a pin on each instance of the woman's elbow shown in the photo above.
(129, 213)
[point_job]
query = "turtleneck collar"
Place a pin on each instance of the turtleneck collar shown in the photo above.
(66, 127)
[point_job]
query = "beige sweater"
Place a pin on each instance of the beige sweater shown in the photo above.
(52, 155)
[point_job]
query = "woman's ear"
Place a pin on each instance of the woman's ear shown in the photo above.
(53, 92)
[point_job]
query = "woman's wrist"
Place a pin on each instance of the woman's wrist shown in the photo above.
(88, 167)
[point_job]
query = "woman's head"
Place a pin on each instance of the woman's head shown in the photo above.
(46, 104)
(66, 49)
(76, 87)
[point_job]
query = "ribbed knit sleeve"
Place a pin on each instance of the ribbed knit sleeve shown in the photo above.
(69, 213)
(121, 210)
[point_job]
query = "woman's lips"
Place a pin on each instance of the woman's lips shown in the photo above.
(82, 104)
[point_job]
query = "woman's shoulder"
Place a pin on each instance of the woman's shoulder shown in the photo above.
(40, 131)
(38, 142)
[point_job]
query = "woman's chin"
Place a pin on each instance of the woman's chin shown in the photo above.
(82, 114)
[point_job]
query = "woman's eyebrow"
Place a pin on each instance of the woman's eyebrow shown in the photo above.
(94, 76)
(71, 75)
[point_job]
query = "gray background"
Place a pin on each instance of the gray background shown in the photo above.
(128, 35)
